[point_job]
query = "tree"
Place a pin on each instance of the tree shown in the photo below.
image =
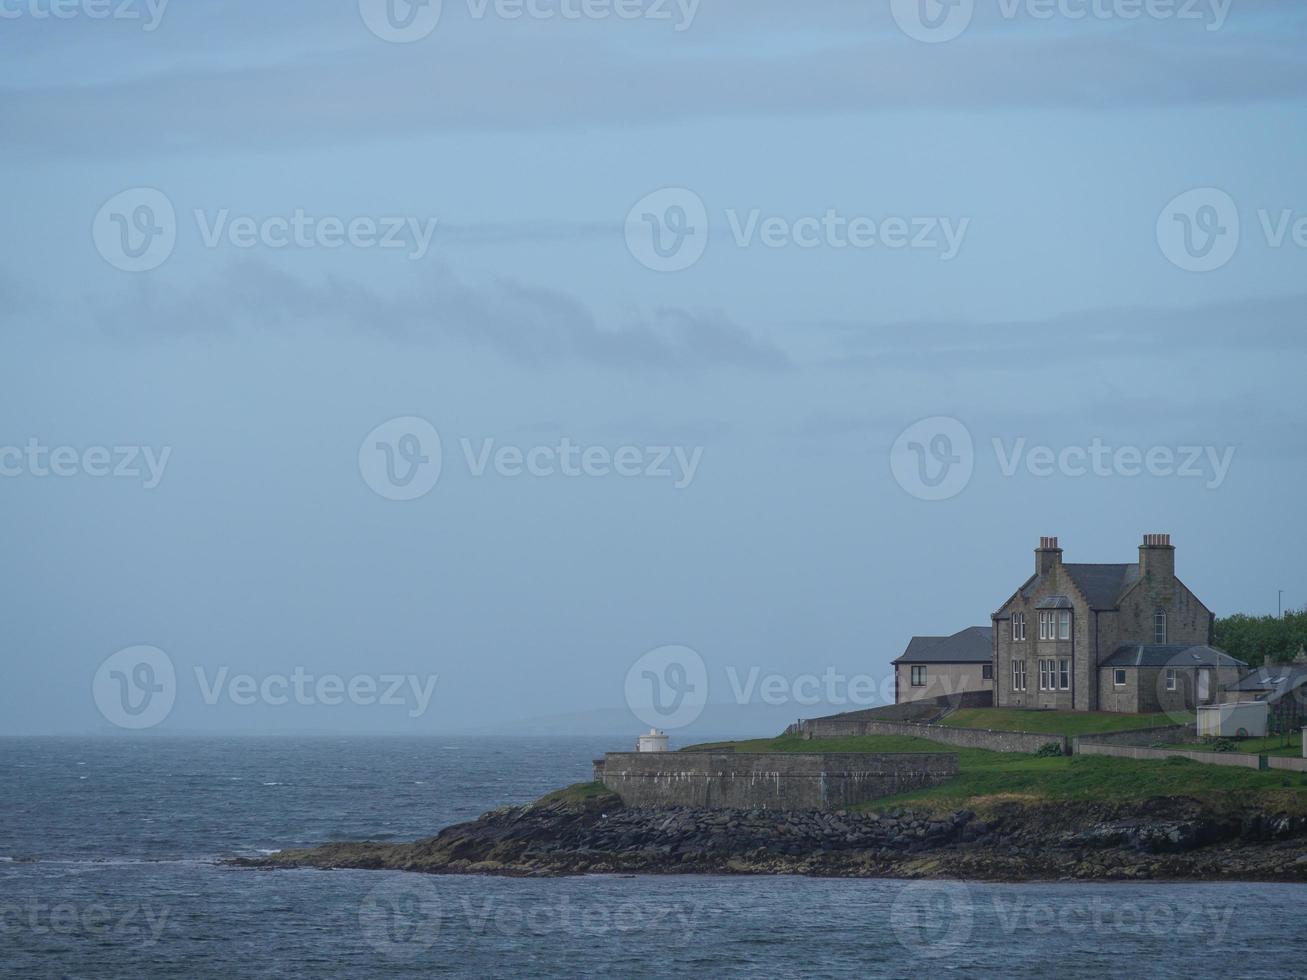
(1262, 639)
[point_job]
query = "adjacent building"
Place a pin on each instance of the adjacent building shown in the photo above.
(937, 666)
(1125, 637)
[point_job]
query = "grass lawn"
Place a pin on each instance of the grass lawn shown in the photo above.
(986, 778)
(1053, 722)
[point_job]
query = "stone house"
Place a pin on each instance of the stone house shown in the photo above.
(936, 666)
(1125, 637)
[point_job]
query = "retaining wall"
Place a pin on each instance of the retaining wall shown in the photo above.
(1245, 760)
(971, 738)
(769, 780)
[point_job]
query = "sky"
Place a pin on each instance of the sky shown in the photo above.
(473, 366)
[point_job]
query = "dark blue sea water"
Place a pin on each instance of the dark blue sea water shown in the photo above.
(107, 869)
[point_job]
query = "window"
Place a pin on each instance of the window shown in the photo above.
(1159, 626)
(987, 672)
(1045, 625)
(1064, 674)
(1018, 626)
(1118, 677)
(1170, 679)
(1018, 675)
(1064, 624)
(918, 676)
(1048, 674)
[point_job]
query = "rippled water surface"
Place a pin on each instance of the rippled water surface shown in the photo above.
(107, 869)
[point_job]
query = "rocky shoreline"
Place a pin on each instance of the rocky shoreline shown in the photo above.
(1166, 838)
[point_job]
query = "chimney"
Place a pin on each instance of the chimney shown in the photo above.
(1047, 555)
(1157, 559)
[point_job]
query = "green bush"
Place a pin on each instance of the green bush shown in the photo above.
(1048, 750)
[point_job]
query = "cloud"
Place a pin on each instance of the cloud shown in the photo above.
(522, 323)
(492, 75)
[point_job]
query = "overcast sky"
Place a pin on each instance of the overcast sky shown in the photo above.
(777, 331)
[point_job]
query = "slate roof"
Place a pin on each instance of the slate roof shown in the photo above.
(1274, 679)
(1170, 655)
(1102, 585)
(972, 645)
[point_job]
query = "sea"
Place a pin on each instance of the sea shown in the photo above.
(111, 855)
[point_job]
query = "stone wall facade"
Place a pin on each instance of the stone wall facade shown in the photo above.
(771, 780)
(1095, 634)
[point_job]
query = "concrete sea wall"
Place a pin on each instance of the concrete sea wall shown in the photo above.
(772, 780)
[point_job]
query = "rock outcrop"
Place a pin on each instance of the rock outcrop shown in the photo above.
(1163, 838)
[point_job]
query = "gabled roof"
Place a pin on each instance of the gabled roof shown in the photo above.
(1170, 655)
(972, 645)
(1103, 585)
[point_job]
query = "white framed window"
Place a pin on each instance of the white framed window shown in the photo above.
(1159, 625)
(1018, 675)
(1118, 677)
(1170, 679)
(1043, 624)
(1064, 624)
(1018, 626)
(1064, 674)
(918, 676)
(1047, 675)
